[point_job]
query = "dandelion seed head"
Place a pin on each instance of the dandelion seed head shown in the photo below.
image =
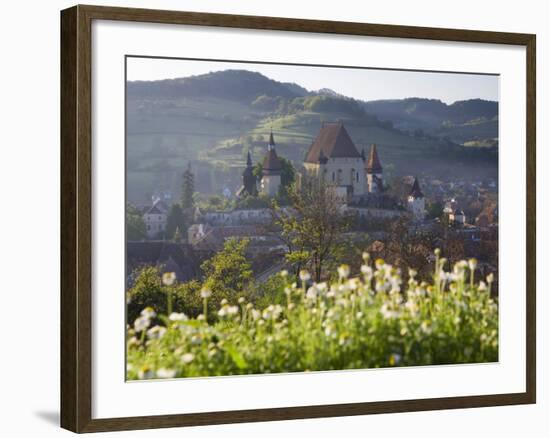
(164, 373)
(168, 278)
(148, 312)
(141, 323)
(177, 317)
(156, 332)
(187, 358)
(343, 271)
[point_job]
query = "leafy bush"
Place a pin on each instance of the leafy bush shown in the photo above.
(365, 322)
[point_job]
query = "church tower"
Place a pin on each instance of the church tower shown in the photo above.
(249, 180)
(415, 202)
(271, 173)
(373, 170)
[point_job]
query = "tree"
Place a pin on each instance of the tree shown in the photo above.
(135, 225)
(228, 272)
(406, 247)
(434, 210)
(177, 235)
(313, 225)
(187, 188)
(175, 221)
(148, 291)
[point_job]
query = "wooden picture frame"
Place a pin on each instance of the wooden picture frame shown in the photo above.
(76, 217)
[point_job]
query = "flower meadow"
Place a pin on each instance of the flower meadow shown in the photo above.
(374, 320)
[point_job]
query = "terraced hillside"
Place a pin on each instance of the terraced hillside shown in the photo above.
(214, 120)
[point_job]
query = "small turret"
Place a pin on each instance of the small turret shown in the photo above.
(249, 179)
(416, 202)
(271, 170)
(373, 169)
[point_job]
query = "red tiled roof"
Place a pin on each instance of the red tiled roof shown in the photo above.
(333, 141)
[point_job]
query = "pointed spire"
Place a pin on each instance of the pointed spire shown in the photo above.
(415, 190)
(373, 163)
(271, 143)
(248, 160)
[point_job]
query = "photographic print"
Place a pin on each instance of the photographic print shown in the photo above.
(300, 218)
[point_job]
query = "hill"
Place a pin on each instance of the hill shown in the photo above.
(462, 121)
(213, 120)
(239, 85)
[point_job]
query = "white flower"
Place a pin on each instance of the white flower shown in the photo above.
(343, 271)
(148, 312)
(187, 358)
(156, 332)
(395, 359)
(366, 271)
(177, 317)
(283, 273)
(412, 273)
(145, 372)
(241, 300)
(304, 275)
(311, 293)
(205, 292)
(490, 278)
(232, 310)
(163, 373)
(141, 323)
(472, 263)
(321, 287)
(388, 313)
(168, 278)
(426, 327)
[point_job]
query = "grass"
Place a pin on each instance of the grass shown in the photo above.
(372, 321)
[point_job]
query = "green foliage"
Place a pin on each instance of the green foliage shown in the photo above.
(148, 291)
(227, 273)
(187, 188)
(333, 104)
(215, 203)
(252, 202)
(135, 226)
(434, 209)
(371, 321)
(272, 291)
(266, 103)
(175, 221)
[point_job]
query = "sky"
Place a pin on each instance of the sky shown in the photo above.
(359, 83)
